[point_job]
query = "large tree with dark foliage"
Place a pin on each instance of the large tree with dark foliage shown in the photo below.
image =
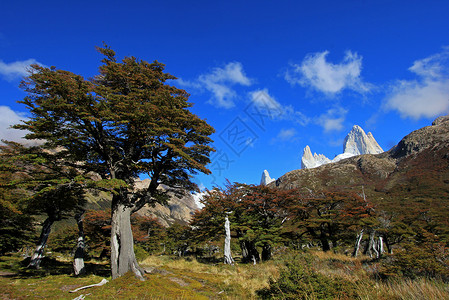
(15, 224)
(46, 186)
(124, 122)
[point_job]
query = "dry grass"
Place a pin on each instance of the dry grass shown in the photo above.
(354, 270)
(421, 289)
(329, 255)
(237, 282)
(190, 279)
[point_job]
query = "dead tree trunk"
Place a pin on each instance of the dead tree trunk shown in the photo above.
(380, 246)
(357, 243)
(370, 244)
(38, 254)
(78, 262)
(227, 246)
(123, 258)
(375, 248)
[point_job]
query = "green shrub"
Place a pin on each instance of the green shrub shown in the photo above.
(425, 256)
(140, 253)
(413, 262)
(298, 280)
(63, 241)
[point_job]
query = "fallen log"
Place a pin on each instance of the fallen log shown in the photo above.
(103, 282)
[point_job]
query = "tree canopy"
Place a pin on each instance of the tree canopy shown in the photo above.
(122, 123)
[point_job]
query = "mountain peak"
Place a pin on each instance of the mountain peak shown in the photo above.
(266, 179)
(312, 161)
(357, 142)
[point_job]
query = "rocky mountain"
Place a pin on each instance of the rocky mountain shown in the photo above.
(309, 161)
(266, 179)
(357, 142)
(414, 173)
(179, 208)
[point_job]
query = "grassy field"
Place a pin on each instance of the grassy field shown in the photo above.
(170, 278)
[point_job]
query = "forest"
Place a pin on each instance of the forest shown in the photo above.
(96, 136)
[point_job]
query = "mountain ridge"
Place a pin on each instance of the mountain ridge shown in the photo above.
(414, 172)
(356, 142)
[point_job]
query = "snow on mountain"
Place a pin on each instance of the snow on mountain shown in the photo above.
(266, 179)
(312, 161)
(357, 142)
(197, 197)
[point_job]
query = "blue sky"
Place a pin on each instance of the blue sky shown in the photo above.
(271, 77)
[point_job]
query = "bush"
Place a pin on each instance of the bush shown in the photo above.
(413, 262)
(425, 256)
(63, 241)
(298, 280)
(140, 253)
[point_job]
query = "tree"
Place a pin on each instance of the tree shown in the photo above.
(227, 245)
(179, 239)
(149, 233)
(124, 122)
(78, 261)
(50, 188)
(209, 224)
(260, 216)
(15, 224)
(97, 229)
(256, 215)
(327, 218)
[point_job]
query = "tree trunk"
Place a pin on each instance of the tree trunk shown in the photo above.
(254, 254)
(357, 243)
(375, 247)
(389, 246)
(245, 253)
(325, 244)
(123, 258)
(266, 252)
(370, 244)
(322, 238)
(227, 246)
(380, 245)
(78, 262)
(249, 252)
(38, 254)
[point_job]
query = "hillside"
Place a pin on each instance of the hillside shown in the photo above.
(179, 209)
(414, 172)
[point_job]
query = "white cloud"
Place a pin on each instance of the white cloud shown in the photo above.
(9, 117)
(232, 73)
(220, 82)
(286, 134)
(326, 77)
(428, 95)
(333, 119)
(262, 99)
(268, 105)
(15, 70)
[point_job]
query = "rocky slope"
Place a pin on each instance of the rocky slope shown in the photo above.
(356, 142)
(179, 209)
(416, 171)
